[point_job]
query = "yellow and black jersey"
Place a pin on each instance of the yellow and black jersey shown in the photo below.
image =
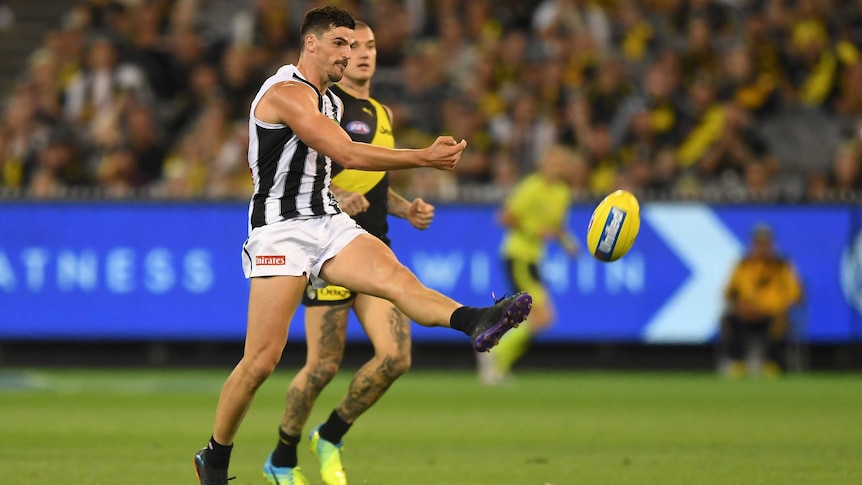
(770, 285)
(366, 121)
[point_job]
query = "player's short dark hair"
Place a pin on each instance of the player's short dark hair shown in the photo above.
(318, 20)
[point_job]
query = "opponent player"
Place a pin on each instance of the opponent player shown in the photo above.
(298, 233)
(533, 214)
(367, 197)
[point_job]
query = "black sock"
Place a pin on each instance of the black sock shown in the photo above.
(334, 429)
(464, 319)
(218, 455)
(285, 451)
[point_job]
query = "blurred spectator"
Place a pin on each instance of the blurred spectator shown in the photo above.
(605, 162)
(738, 145)
(849, 101)
(25, 135)
(391, 31)
(457, 54)
(145, 142)
(523, 133)
(463, 121)
(714, 13)
(98, 92)
(762, 289)
(634, 33)
(847, 171)
(229, 173)
(11, 169)
(7, 17)
(58, 168)
(43, 79)
(818, 187)
(746, 86)
(271, 27)
(699, 56)
(655, 102)
(511, 64)
(664, 176)
(659, 95)
(815, 63)
(416, 104)
(702, 121)
(118, 173)
(239, 80)
(555, 19)
(481, 86)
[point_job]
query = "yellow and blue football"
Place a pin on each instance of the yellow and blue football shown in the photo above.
(614, 226)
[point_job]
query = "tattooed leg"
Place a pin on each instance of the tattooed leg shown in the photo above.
(389, 331)
(325, 328)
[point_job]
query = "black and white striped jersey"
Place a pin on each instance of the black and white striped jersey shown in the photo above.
(290, 178)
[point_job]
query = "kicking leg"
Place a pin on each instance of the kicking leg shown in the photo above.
(368, 266)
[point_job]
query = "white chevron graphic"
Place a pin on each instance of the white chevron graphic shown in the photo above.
(709, 250)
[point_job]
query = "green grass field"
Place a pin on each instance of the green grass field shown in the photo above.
(434, 428)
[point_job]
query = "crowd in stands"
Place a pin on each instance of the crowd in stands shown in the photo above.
(738, 99)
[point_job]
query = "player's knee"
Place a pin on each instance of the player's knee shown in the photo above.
(395, 365)
(261, 366)
(324, 370)
(397, 280)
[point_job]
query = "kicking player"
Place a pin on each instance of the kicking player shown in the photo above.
(298, 233)
(366, 196)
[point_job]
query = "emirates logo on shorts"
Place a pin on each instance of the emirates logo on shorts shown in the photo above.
(270, 260)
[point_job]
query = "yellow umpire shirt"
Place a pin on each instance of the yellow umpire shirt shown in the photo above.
(540, 207)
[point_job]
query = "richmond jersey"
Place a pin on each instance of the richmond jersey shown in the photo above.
(290, 178)
(366, 121)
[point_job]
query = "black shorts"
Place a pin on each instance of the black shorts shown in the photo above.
(524, 276)
(327, 296)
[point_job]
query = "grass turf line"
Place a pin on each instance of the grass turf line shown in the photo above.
(433, 428)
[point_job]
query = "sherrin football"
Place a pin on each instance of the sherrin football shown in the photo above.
(614, 226)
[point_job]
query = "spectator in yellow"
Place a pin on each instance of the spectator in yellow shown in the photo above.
(761, 291)
(533, 215)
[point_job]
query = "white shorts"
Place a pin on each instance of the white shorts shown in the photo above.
(297, 247)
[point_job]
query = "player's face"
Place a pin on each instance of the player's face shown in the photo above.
(555, 165)
(761, 248)
(333, 52)
(364, 56)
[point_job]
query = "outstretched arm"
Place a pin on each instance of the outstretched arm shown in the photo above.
(295, 104)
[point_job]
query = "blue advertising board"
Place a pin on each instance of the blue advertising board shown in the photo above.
(141, 271)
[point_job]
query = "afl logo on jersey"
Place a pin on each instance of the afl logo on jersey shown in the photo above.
(358, 127)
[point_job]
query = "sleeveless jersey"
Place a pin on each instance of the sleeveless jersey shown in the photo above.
(290, 178)
(366, 121)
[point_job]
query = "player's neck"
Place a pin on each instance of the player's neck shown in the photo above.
(357, 89)
(317, 79)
